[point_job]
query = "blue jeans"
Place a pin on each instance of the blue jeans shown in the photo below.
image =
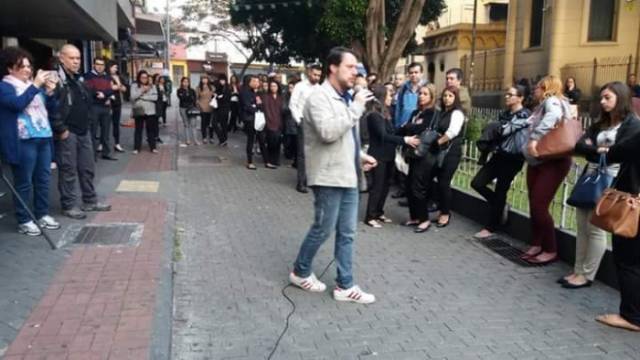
(33, 172)
(335, 208)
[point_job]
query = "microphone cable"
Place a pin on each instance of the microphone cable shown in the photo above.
(293, 310)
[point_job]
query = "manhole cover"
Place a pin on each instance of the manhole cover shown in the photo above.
(207, 159)
(507, 251)
(110, 234)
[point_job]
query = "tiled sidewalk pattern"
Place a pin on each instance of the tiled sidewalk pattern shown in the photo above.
(100, 304)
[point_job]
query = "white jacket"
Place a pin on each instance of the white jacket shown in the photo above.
(329, 145)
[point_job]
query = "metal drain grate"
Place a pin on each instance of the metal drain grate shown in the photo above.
(110, 234)
(206, 159)
(507, 251)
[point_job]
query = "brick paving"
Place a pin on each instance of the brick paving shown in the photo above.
(440, 294)
(92, 301)
(100, 304)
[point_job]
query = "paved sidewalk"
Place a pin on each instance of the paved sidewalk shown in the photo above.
(86, 301)
(440, 294)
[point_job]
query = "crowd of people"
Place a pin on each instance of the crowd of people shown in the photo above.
(347, 132)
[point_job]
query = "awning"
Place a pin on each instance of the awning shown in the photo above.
(61, 19)
(149, 28)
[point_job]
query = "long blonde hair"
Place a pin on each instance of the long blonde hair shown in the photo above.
(551, 86)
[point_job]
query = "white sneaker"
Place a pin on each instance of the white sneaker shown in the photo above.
(183, 145)
(49, 223)
(99, 148)
(353, 294)
(310, 283)
(29, 228)
(135, 152)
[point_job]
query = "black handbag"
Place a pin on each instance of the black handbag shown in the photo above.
(427, 138)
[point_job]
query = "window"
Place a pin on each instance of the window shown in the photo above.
(498, 12)
(535, 30)
(601, 20)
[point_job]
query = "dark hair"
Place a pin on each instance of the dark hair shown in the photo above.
(247, 79)
(273, 81)
(201, 83)
(456, 103)
(336, 56)
(223, 77)
(140, 73)
(623, 103)
(110, 64)
(315, 66)
(377, 105)
(183, 79)
(457, 71)
(293, 80)
(99, 58)
(566, 81)
(414, 64)
(233, 77)
(521, 91)
(154, 78)
(12, 56)
(358, 75)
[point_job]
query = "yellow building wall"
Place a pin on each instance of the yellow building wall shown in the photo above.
(565, 36)
(529, 62)
(572, 29)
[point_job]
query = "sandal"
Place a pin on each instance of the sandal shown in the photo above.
(373, 223)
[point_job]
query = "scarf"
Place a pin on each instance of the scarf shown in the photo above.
(36, 110)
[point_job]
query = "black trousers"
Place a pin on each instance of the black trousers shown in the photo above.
(444, 176)
(206, 130)
(233, 119)
(290, 144)
(218, 127)
(626, 255)
(101, 119)
(116, 113)
(252, 136)
(381, 180)
(222, 116)
(300, 162)
(418, 182)
(274, 140)
(150, 122)
(503, 168)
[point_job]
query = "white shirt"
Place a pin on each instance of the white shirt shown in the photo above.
(455, 125)
(299, 96)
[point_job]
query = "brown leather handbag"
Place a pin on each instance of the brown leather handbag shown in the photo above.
(561, 140)
(617, 212)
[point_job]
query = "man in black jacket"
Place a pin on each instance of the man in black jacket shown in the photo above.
(73, 144)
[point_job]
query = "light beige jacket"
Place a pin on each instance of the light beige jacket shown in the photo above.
(329, 145)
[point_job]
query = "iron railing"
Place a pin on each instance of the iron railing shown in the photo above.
(563, 214)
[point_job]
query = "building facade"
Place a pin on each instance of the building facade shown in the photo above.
(595, 41)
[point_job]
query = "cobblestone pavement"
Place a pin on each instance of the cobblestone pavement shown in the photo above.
(440, 294)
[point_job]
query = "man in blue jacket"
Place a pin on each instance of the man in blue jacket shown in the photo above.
(407, 100)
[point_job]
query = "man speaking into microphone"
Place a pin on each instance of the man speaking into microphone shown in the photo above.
(332, 150)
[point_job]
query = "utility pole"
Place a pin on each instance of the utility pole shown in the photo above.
(473, 45)
(167, 52)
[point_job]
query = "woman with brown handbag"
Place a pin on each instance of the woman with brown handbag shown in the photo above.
(626, 252)
(591, 241)
(544, 176)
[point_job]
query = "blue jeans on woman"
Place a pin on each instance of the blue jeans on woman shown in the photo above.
(33, 173)
(335, 208)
